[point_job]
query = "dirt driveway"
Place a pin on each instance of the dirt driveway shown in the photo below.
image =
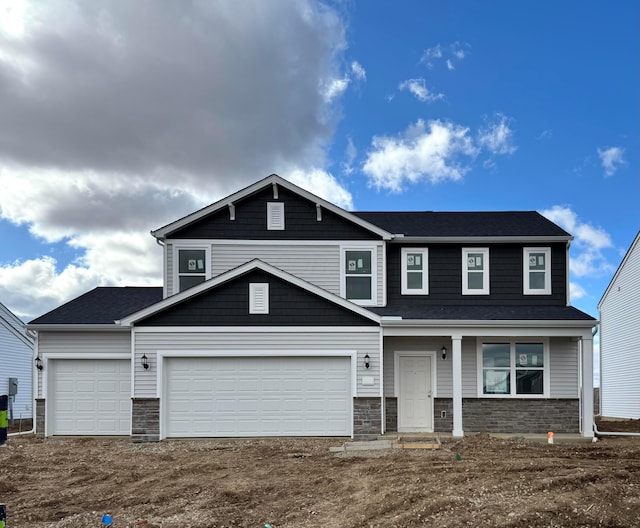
(299, 483)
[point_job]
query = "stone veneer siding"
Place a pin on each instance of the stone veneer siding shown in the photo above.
(367, 418)
(40, 414)
(500, 415)
(510, 415)
(391, 415)
(145, 419)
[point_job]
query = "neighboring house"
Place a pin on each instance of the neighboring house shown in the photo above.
(283, 314)
(16, 362)
(619, 311)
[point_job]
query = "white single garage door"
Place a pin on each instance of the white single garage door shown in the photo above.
(258, 396)
(90, 397)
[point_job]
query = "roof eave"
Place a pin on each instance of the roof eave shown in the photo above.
(77, 327)
(482, 239)
(484, 323)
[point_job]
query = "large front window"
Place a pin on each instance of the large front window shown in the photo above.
(359, 275)
(512, 368)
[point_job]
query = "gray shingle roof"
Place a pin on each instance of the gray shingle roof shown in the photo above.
(408, 310)
(465, 224)
(102, 305)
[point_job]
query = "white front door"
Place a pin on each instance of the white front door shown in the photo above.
(415, 402)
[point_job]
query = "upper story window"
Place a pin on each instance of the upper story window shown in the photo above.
(513, 368)
(415, 277)
(193, 267)
(537, 271)
(475, 271)
(275, 216)
(358, 282)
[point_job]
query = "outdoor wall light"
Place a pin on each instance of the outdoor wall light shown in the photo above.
(38, 363)
(367, 364)
(444, 352)
(145, 361)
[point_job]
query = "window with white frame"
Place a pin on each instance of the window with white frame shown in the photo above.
(359, 275)
(192, 267)
(513, 368)
(537, 271)
(415, 273)
(475, 271)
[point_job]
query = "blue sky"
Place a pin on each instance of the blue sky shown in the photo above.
(120, 117)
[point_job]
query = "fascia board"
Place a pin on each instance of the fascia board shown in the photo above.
(162, 232)
(236, 272)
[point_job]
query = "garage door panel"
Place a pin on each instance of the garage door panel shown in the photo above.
(90, 397)
(258, 396)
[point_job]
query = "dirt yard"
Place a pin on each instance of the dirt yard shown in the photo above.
(298, 483)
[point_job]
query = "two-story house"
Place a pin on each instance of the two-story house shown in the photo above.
(283, 314)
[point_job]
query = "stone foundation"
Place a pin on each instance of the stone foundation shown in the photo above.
(500, 415)
(41, 409)
(367, 418)
(145, 419)
(391, 415)
(507, 415)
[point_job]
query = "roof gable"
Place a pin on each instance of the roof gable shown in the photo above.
(210, 221)
(223, 300)
(631, 251)
(10, 322)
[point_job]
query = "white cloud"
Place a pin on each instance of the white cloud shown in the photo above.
(358, 71)
(576, 291)
(170, 108)
(430, 54)
(431, 152)
(351, 154)
(452, 53)
(322, 184)
(417, 87)
(335, 88)
(497, 136)
(612, 158)
(587, 258)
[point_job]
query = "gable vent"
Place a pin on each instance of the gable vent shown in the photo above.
(259, 298)
(275, 216)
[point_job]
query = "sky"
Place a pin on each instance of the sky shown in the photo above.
(119, 117)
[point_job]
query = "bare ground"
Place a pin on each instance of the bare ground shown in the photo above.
(69, 483)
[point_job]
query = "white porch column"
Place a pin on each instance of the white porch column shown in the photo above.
(586, 400)
(456, 364)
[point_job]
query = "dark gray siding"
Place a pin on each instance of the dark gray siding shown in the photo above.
(228, 305)
(251, 222)
(505, 276)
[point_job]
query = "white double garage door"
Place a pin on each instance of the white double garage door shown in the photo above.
(210, 396)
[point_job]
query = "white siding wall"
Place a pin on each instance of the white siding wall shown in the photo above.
(169, 269)
(81, 343)
(319, 265)
(15, 362)
(563, 367)
(150, 342)
(620, 340)
(469, 368)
